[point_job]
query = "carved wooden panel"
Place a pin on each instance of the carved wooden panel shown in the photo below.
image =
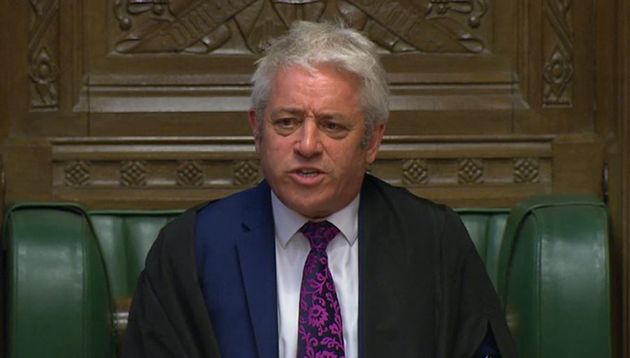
(455, 66)
(247, 26)
(196, 57)
(558, 50)
(451, 62)
(469, 170)
(43, 45)
(127, 75)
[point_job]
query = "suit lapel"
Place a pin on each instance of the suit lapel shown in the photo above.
(256, 253)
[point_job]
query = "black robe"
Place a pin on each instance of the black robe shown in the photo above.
(424, 291)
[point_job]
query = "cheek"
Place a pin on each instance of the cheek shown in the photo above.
(350, 161)
(274, 153)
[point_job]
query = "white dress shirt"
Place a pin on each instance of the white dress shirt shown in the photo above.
(292, 248)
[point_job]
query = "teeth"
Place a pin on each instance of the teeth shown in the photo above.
(308, 173)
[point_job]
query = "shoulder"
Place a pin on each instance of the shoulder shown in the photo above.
(236, 204)
(179, 235)
(411, 215)
(217, 210)
(381, 196)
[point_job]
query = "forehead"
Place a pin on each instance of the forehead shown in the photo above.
(319, 77)
(321, 89)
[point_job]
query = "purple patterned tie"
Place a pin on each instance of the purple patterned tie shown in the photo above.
(320, 331)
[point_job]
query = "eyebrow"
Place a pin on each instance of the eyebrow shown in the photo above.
(289, 110)
(301, 113)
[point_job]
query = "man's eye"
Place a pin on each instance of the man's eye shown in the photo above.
(285, 122)
(285, 125)
(334, 129)
(331, 126)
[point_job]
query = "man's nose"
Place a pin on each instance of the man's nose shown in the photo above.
(309, 143)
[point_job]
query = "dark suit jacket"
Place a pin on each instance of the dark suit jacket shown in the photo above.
(209, 286)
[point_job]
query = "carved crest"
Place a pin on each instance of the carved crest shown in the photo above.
(248, 26)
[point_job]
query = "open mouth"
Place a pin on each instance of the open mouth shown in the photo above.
(307, 176)
(308, 172)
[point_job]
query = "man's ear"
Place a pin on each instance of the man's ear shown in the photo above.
(375, 142)
(254, 125)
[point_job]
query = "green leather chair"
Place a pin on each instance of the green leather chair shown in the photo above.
(71, 273)
(125, 238)
(554, 277)
(486, 228)
(59, 303)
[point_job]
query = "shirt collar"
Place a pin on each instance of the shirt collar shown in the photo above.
(287, 221)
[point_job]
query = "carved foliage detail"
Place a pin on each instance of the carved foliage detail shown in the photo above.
(246, 172)
(189, 173)
(133, 173)
(559, 67)
(248, 26)
(43, 50)
(414, 171)
(526, 170)
(470, 171)
(473, 9)
(77, 173)
(178, 26)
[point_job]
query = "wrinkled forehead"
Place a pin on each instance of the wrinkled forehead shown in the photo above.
(316, 69)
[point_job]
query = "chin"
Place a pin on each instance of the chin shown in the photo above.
(306, 209)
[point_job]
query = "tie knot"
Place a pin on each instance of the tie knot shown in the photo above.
(319, 234)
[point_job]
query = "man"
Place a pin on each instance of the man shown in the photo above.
(320, 259)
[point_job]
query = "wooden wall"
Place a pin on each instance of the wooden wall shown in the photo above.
(138, 104)
(142, 103)
(619, 157)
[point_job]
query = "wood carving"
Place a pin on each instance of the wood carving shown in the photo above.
(133, 173)
(414, 172)
(248, 26)
(190, 173)
(77, 173)
(558, 67)
(474, 9)
(526, 170)
(246, 172)
(501, 170)
(470, 171)
(43, 54)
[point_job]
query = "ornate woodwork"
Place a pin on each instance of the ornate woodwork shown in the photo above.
(526, 170)
(189, 173)
(247, 26)
(76, 173)
(133, 173)
(43, 45)
(166, 172)
(151, 69)
(558, 68)
(470, 171)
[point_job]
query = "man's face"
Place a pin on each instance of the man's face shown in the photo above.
(310, 141)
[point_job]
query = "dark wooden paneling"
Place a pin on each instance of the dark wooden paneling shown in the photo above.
(105, 68)
(166, 172)
(480, 69)
(621, 215)
(464, 72)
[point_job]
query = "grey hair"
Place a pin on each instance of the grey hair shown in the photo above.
(308, 44)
